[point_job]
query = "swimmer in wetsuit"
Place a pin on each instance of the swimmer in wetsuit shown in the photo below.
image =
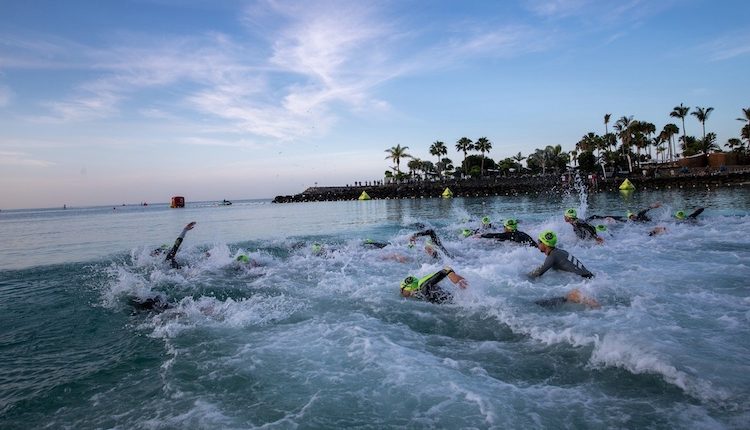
(369, 243)
(427, 289)
(428, 248)
(629, 216)
(557, 258)
(582, 229)
(511, 233)
(155, 303)
(173, 251)
(680, 217)
(574, 296)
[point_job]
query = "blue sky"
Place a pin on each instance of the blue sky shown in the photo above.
(108, 102)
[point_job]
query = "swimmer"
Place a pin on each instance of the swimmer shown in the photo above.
(637, 217)
(574, 296)
(428, 247)
(369, 243)
(426, 288)
(582, 229)
(557, 258)
(680, 215)
(244, 260)
(511, 233)
(156, 303)
(173, 251)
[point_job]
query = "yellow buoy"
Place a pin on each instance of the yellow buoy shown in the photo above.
(364, 196)
(627, 185)
(447, 194)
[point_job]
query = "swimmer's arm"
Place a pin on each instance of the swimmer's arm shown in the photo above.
(456, 278)
(178, 241)
(696, 213)
(539, 271)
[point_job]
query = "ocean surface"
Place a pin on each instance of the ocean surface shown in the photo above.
(300, 339)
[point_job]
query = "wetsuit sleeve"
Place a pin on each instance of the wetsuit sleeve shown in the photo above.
(434, 279)
(176, 247)
(436, 241)
(585, 230)
(641, 216)
(498, 236)
(696, 213)
(548, 263)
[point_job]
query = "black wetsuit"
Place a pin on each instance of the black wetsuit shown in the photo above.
(561, 260)
(433, 236)
(372, 244)
(584, 230)
(694, 216)
(639, 217)
(513, 236)
(155, 303)
(430, 291)
(552, 302)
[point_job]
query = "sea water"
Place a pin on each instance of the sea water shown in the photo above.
(301, 339)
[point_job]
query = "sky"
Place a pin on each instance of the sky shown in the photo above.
(129, 101)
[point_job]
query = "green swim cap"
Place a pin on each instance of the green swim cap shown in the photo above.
(466, 232)
(368, 240)
(571, 213)
(316, 248)
(549, 238)
(680, 215)
(243, 258)
(410, 283)
(601, 227)
(511, 224)
(628, 214)
(485, 220)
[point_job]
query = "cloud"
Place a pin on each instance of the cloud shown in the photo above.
(5, 96)
(556, 8)
(727, 46)
(12, 158)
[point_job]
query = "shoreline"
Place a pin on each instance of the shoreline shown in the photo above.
(515, 186)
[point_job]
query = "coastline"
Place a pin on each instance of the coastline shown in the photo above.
(531, 185)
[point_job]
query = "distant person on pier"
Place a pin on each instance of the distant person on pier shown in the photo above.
(510, 233)
(427, 288)
(557, 258)
(582, 229)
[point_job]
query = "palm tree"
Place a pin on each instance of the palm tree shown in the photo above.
(464, 145)
(624, 127)
(648, 129)
(702, 115)
(396, 153)
(745, 128)
(669, 131)
(607, 116)
(680, 112)
(708, 144)
(518, 158)
(483, 145)
(437, 149)
(414, 165)
(733, 143)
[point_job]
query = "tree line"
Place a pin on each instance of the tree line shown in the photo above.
(631, 143)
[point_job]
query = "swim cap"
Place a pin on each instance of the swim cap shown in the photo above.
(571, 213)
(511, 224)
(368, 240)
(316, 248)
(680, 215)
(485, 220)
(601, 227)
(628, 214)
(410, 283)
(549, 238)
(243, 258)
(466, 232)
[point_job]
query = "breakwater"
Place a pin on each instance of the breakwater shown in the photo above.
(514, 186)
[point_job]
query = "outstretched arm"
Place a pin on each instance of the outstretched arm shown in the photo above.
(433, 236)
(696, 213)
(539, 271)
(176, 247)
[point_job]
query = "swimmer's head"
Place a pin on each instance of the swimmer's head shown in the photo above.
(485, 220)
(410, 283)
(548, 238)
(242, 258)
(571, 213)
(317, 248)
(511, 224)
(680, 215)
(629, 215)
(601, 227)
(466, 232)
